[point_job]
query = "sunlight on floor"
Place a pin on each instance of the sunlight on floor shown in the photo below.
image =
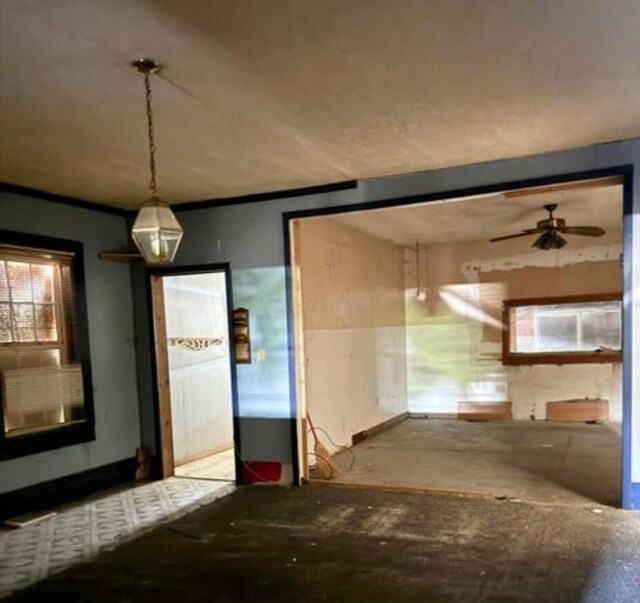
(220, 466)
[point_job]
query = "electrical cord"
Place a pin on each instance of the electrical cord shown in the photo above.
(261, 479)
(340, 448)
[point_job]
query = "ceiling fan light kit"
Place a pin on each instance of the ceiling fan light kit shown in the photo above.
(550, 232)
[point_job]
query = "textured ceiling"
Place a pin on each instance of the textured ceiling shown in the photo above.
(261, 96)
(482, 218)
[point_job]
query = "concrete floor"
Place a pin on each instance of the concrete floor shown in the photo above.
(220, 466)
(560, 463)
(332, 544)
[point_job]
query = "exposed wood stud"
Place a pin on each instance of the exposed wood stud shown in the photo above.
(570, 186)
(162, 362)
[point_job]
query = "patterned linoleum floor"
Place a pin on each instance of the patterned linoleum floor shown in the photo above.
(81, 531)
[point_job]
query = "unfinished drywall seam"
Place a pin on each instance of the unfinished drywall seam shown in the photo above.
(598, 253)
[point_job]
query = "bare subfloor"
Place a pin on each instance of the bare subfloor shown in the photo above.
(313, 544)
(561, 463)
(220, 466)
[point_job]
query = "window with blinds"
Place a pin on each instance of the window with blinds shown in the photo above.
(42, 385)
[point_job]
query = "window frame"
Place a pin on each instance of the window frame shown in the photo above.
(66, 435)
(510, 358)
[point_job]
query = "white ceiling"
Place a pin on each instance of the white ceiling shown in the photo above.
(485, 217)
(263, 95)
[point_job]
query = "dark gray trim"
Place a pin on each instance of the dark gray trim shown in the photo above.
(180, 207)
(291, 353)
(270, 196)
(629, 490)
(46, 495)
(38, 194)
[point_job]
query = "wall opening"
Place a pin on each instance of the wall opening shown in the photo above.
(399, 335)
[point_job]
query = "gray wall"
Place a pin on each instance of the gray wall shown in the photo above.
(111, 339)
(250, 237)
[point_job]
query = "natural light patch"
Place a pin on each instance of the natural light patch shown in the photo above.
(464, 300)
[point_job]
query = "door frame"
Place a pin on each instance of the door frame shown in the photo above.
(294, 320)
(160, 368)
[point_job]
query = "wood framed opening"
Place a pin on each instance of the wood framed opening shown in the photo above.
(300, 356)
(196, 390)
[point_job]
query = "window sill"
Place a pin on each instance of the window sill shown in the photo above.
(52, 439)
(563, 358)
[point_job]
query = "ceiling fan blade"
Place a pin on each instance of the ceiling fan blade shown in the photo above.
(585, 231)
(524, 233)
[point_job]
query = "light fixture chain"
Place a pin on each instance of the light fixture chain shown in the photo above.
(152, 142)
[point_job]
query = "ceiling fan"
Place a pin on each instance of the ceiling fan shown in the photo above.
(550, 231)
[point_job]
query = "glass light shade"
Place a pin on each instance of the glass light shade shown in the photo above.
(156, 232)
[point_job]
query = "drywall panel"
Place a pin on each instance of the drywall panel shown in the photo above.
(352, 289)
(355, 379)
(111, 338)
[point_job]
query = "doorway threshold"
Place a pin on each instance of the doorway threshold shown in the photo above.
(399, 488)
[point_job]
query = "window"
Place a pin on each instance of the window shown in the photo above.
(563, 330)
(44, 368)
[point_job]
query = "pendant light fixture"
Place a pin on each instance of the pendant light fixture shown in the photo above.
(156, 231)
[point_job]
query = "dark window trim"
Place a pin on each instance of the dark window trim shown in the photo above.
(27, 444)
(510, 358)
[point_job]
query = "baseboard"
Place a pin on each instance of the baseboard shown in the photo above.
(434, 415)
(49, 494)
(484, 411)
(356, 438)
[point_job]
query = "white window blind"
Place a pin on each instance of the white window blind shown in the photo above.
(41, 384)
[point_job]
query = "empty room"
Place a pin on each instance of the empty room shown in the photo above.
(444, 353)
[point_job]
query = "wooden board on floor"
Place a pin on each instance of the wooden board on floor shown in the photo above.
(410, 489)
(484, 411)
(578, 410)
